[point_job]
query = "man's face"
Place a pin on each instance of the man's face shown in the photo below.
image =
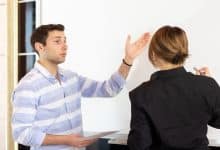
(55, 49)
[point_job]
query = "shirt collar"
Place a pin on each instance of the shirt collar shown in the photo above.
(168, 73)
(46, 73)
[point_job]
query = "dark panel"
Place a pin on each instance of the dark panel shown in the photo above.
(22, 147)
(26, 25)
(101, 144)
(25, 64)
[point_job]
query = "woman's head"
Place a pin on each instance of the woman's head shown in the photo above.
(169, 44)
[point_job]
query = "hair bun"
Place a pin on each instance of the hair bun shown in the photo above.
(179, 57)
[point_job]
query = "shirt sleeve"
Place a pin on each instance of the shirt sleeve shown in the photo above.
(24, 101)
(108, 88)
(140, 136)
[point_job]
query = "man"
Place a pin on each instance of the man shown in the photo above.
(46, 102)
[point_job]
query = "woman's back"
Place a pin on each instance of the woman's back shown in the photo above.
(178, 106)
(172, 110)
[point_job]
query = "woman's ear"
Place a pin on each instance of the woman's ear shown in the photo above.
(154, 57)
(39, 47)
(156, 60)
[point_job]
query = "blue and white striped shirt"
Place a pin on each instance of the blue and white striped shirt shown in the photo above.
(43, 105)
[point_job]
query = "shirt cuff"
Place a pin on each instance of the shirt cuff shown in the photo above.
(119, 79)
(39, 138)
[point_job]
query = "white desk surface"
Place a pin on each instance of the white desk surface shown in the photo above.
(121, 137)
(213, 136)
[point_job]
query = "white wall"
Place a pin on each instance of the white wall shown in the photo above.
(3, 43)
(96, 32)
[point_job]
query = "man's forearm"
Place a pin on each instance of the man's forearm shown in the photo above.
(125, 68)
(55, 140)
(73, 140)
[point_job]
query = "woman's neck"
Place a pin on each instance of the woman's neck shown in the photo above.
(163, 65)
(168, 66)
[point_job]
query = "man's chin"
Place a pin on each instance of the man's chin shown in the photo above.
(60, 61)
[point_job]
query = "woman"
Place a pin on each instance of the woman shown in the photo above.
(171, 111)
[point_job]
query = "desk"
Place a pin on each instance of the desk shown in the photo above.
(121, 139)
(103, 144)
(118, 141)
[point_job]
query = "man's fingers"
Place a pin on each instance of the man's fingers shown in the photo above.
(143, 40)
(128, 39)
(85, 143)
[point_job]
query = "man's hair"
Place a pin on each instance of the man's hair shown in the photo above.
(40, 34)
(170, 44)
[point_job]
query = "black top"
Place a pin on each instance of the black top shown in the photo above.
(172, 110)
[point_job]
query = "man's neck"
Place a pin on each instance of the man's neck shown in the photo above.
(51, 67)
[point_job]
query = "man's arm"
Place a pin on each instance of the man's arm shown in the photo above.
(25, 132)
(109, 88)
(124, 69)
(72, 140)
(24, 104)
(132, 50)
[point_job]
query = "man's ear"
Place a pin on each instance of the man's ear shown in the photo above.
(39, 47)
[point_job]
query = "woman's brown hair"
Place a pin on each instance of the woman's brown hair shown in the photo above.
(170, 44)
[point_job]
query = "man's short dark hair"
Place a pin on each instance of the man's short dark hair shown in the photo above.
(40, 34)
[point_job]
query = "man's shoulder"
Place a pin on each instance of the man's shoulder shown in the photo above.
(30, 79)
(31, 76)
(67, 72)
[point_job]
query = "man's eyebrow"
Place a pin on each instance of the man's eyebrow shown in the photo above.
(58, 37)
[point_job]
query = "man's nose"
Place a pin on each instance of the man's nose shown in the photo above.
(65, 46)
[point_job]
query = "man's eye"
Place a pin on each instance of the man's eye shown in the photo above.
(57, 42)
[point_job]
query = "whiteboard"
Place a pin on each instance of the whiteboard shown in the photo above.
(96, 32)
